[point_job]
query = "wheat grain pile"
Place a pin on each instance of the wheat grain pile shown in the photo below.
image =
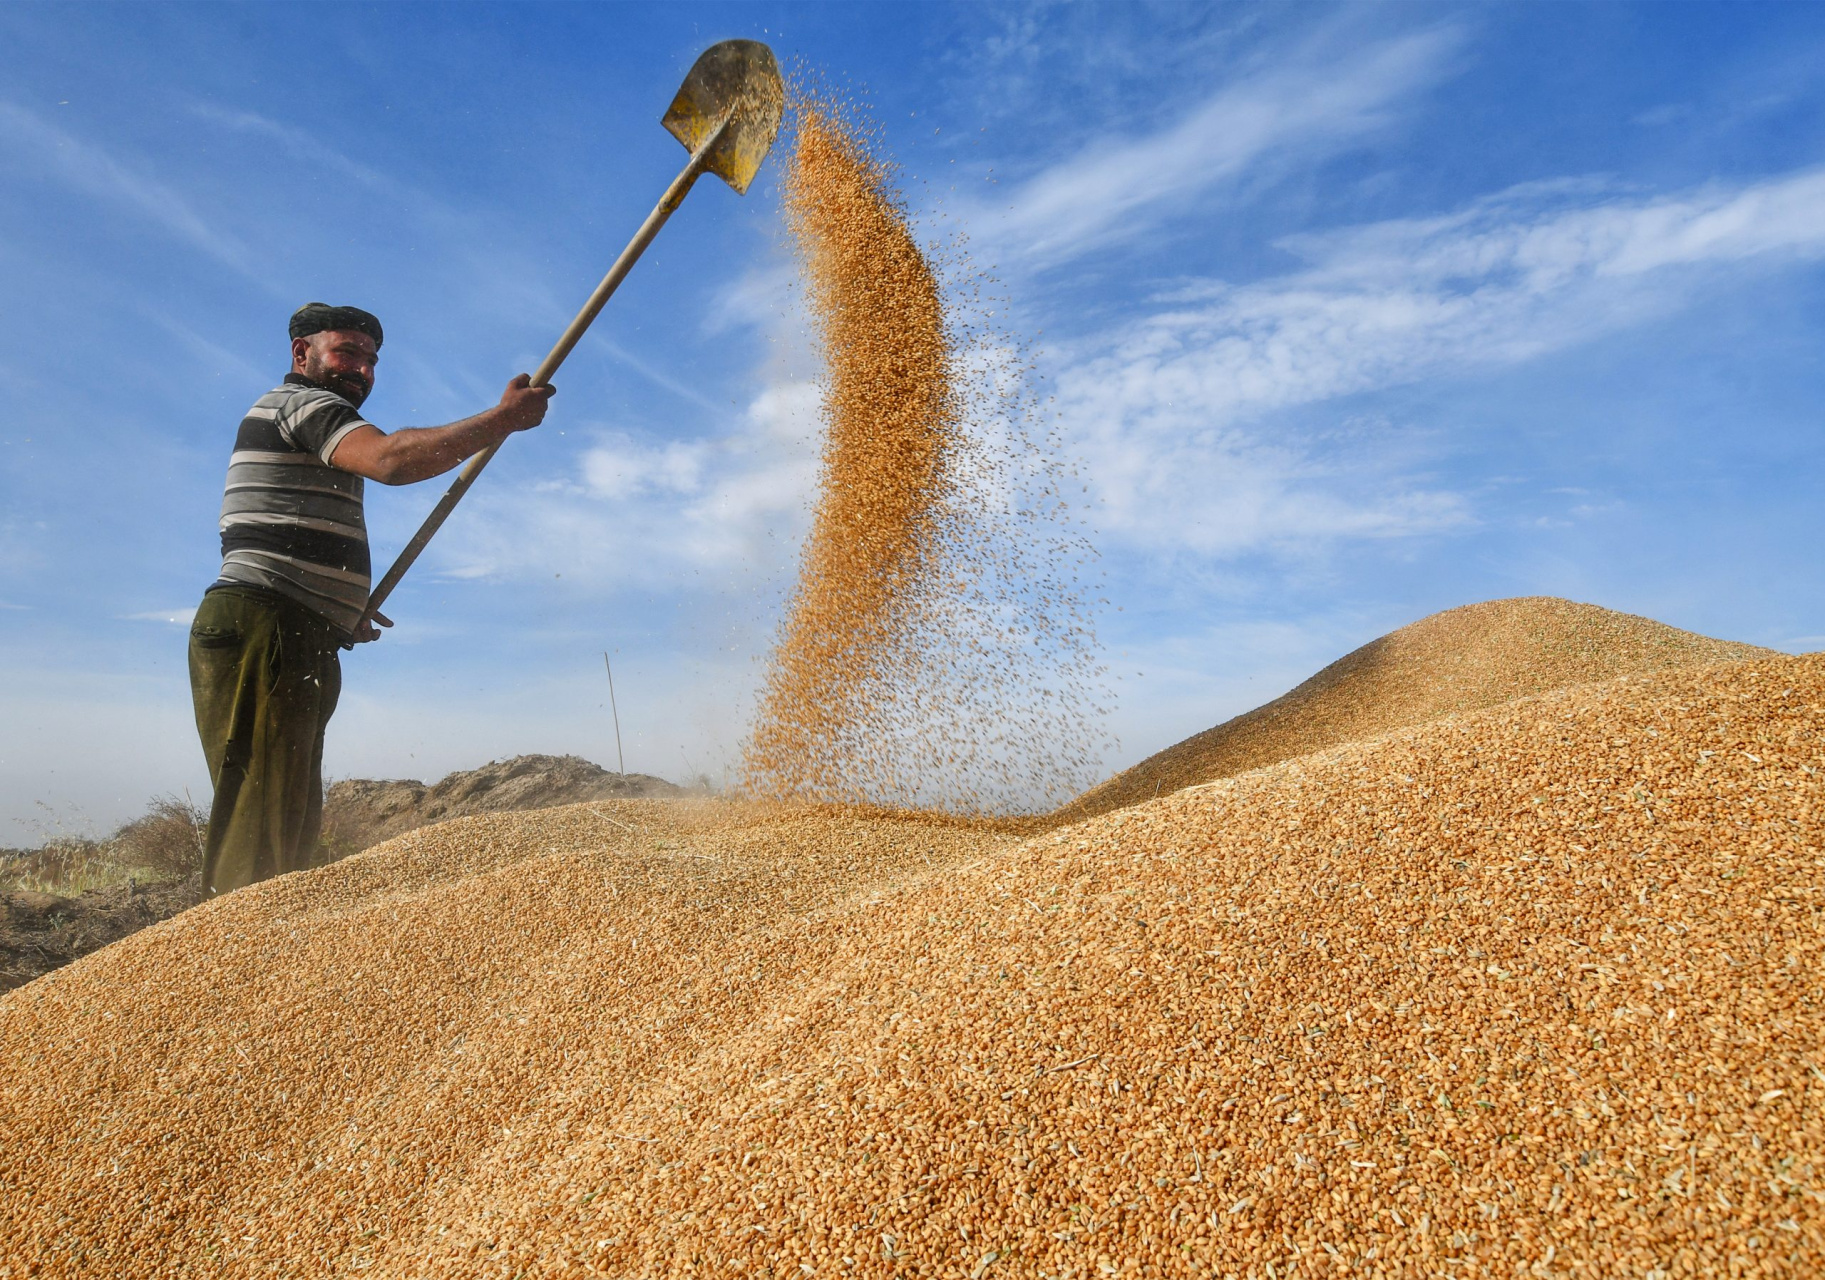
(1464, 659)
(936, 651)
(1532, 991)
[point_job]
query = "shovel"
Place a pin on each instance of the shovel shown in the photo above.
(727, 115)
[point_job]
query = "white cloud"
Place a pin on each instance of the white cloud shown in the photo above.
(1310, 101)
(1172, 406)
(643, 513)
(304, 146)
(214, 359)
(1536, 238)
(622, 468)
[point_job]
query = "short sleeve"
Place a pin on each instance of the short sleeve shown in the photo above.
(316, 421)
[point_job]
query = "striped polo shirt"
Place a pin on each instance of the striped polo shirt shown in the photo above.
(291, 522)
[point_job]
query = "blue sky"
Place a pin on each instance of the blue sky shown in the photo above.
(1350, 315)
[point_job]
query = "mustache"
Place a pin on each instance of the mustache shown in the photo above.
(365, 385)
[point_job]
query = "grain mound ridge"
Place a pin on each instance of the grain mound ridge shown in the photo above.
(1464, 659)
(1531, 991)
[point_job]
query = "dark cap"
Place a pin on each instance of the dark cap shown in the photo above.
(316, 317)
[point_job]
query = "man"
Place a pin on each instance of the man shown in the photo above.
(264, 671)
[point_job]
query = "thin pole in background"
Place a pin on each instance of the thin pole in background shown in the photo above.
(620, 760)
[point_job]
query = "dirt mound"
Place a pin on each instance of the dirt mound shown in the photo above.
(40, 932)
(1531, 991)
(1465, 659)
(361, 812)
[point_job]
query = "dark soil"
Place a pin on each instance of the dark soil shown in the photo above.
(40, 932)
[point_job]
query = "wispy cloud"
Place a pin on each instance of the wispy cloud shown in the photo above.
(1540, 237)
(176, 617)
(89, 168)
(1315, 101)
(509, 281)
(1529, 271)
(652, 374)
(302, 145)
(214, 357)
(1171, 403)
(760, 297)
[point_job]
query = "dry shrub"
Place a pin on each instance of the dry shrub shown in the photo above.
(167, 840)
(348, 827)
(164, 843)
(63, 864)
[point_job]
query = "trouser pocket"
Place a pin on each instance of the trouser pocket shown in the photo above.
(218, 625)
(205, 636)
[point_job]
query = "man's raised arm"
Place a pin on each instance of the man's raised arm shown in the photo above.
(412, 454)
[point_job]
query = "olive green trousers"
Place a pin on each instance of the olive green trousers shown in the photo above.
(265, 676)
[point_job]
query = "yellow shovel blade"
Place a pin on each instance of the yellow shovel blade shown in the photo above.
(739, 79)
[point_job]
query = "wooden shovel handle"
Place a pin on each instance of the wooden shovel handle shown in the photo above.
(668, 203)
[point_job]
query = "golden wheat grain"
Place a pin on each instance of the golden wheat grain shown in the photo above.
(1533, 990)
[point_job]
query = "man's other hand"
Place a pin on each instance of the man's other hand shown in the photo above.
(368, 631)
(523, 405)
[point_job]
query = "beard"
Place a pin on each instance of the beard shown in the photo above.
(350, 386)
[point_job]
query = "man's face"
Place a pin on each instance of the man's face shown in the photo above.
(341, 359)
